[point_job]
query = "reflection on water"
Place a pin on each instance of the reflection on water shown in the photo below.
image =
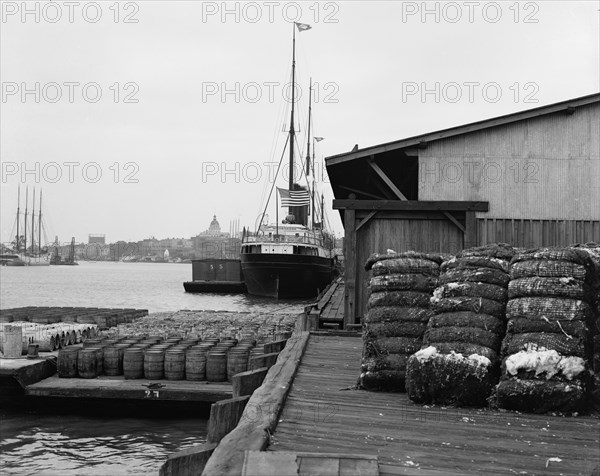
(40, 444)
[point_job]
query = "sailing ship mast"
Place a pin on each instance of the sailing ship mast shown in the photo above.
(40, 226)
(25, 220)
(292, 132)
(33, 223)
(18, 216)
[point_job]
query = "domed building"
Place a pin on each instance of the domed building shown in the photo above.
(213, 243)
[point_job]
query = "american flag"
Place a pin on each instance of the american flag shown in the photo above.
(293, 198)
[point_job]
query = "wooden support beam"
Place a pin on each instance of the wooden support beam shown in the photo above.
(455, 221)
(275, 346)
(188, 462)
(245, 383)
(470, 230)
(365, 220)
(392, 186)
(265, 360)
(351, 268)
(416, 205)
(224, 417)
(362, 192)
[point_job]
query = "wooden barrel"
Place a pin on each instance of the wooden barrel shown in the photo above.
(113, 360)
(216, 366)
(100, 359)
(195, 364)
(67, 363)
(87, 363)
(175, 364)
(154, 361)
(237, 361)
(133, 363)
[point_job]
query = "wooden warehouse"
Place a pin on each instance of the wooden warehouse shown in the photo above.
(530, 179)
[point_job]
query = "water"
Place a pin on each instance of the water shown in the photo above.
(89, 442)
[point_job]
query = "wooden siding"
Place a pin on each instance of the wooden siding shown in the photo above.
(545, 168)
(385, 231)
(537, 233)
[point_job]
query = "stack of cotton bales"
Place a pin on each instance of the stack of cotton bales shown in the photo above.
(547, 351)
(398, 311)
(459, 363)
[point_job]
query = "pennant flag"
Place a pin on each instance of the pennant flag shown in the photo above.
(319, 139)
(294, 198)
(302, 26)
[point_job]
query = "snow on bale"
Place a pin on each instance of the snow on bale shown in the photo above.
(398, 311)
(547, 351)
(460, 362)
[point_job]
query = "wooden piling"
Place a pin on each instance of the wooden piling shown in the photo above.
(224, 417)
(265, 360)
(245, 383)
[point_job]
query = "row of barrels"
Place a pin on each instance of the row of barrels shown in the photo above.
(46, 338)
(103, 317)
(213, 360)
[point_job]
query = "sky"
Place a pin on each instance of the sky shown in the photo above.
(147, 118)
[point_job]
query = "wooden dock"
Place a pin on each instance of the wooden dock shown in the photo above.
(118, 388)
(323, 413)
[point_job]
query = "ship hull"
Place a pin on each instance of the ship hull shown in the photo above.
(286, 276)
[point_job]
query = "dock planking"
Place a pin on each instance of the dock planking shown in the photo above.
(332, 305)
(323, 414)
(118, 388)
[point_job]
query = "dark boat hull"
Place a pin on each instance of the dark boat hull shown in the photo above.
(286, 276)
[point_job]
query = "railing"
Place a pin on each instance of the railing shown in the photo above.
(312, 239)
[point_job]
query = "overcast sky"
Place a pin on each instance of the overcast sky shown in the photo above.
(146, 118)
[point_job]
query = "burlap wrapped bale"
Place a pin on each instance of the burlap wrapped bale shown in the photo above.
(449, 379)
(398, 298)
(398, 313)
(573, 255)
(476, 275)
(396, 328)
(472, 335)
(561, 343)
(522, 325)
(502, 251)
(475, 262)
(403, 282)
(468, 319)
(391, 255)
(566, 287)
(406, 266)
(474, 304)
(541, 396)
(468, 289)
(468, 348)
(547, 269)
(549, 308)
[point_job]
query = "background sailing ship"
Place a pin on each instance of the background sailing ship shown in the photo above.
(24, 252)
(293, 258)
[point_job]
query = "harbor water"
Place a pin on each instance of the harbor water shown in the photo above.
(92, 441)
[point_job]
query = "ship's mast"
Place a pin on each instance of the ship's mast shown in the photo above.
(18, 215)
(292, 132)
(33, 222)
(25, 220)
(40, 226)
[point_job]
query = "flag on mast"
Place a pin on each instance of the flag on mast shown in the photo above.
(319, 139)
(302, 26)
(293, 198)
